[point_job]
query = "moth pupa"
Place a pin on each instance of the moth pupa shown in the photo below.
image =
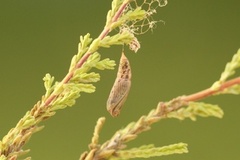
(121, 87)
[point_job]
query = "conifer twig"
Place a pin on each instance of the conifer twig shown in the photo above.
(12, 143)
(110, 148)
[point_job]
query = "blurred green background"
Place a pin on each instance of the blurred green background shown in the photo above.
(184, 56)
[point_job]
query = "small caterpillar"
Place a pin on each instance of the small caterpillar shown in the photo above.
(121, 87)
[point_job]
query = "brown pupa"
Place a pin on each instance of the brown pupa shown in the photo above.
(121, 87)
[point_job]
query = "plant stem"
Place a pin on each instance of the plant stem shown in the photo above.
(209, 92)
(107, 29)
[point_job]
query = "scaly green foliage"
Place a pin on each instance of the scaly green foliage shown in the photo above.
(229, 71)
(148, 151)
(195, 109)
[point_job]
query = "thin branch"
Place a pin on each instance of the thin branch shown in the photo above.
(209, 92)
(107, 29)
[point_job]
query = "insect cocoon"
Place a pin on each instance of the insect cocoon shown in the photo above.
(121, 87)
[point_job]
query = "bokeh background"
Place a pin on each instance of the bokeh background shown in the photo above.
(182, 56)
